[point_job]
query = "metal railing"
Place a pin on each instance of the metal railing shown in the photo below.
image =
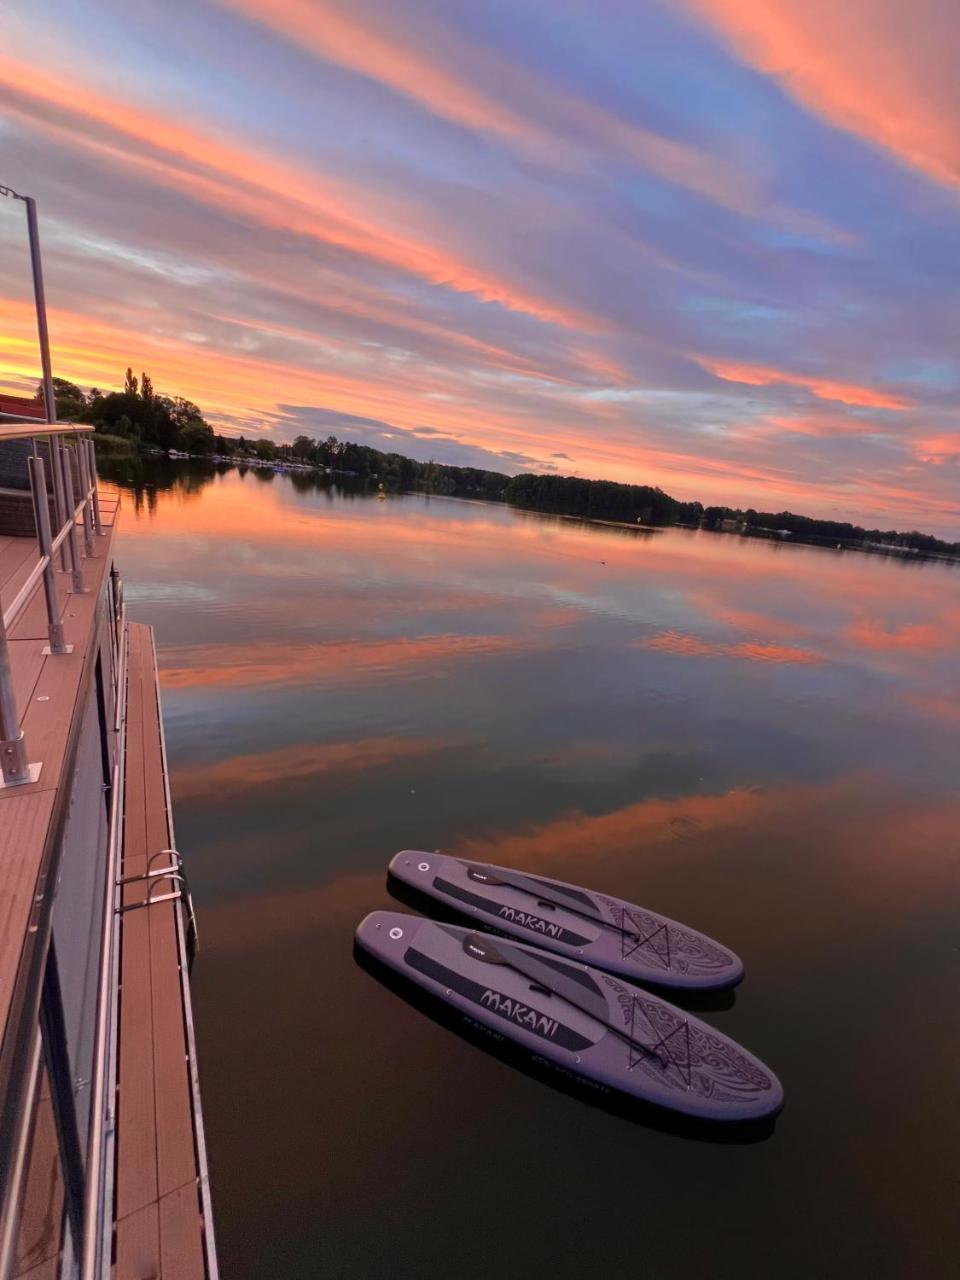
(95, 1254)
(73, 515)
(186, 923)
(98, 1193)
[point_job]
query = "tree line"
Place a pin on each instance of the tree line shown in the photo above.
(828, 532)
(600, 500)
(140, 417)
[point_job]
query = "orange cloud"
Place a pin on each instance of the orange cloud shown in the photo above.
(224, 666)
(244, 923)
(422, 67)
(766, 651)
(380, 307)
(939, 449)
(748, 619)
(825, 427)
(869, 834)
(236, 774)
(242, 388)
(682, 644)
(685, 645)
(935, 707)
(574, 839)
(90, 350)
(244, 180)
(336, 34)
(916, 637)
(882, 69)
(856, 822)
(822, 388)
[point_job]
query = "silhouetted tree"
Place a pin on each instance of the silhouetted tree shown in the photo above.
(196, 437)
(69, 400)
(304, 447)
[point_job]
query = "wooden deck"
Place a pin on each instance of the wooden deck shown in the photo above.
(160, 1228)
(46, 689)
(159, 1212)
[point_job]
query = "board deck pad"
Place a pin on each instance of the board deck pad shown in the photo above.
(583, 1021)
(591, 927)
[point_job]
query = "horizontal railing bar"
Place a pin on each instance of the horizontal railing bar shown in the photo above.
(103, 1072)
(58, 540)
(20, 601)
(68, 524)
(150, 902)
(149, 875)
(24, 429)
(11, 615)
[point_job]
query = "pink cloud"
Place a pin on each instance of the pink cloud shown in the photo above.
(443, 73)
(231, 175)
(823, 388)
(883, 69)
(826, 426)
(684, 645)
(939, 448)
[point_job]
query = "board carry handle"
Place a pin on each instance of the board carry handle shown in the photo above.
(632, 937)
(480, 948)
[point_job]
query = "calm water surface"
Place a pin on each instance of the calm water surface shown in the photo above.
(759, 740)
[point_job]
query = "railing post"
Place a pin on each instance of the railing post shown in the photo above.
(59, 505)
(33, 232)
(83, 466)
(92, 456)
(14, 768)
(41, 514)
(74, 541)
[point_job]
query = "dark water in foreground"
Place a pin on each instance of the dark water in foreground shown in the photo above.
(759, 740)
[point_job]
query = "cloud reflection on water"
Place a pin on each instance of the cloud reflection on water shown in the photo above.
(343, 678)
(691, 646)
(233, 776)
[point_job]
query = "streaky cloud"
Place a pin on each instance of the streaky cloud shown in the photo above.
(884, 70)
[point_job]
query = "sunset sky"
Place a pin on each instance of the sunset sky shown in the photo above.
(708, 244)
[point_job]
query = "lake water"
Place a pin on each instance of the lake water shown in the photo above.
(758, 739)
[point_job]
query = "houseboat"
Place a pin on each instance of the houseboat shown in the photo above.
(103, 1166)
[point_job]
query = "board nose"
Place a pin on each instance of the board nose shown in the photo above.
(413, 866)
(382, 931)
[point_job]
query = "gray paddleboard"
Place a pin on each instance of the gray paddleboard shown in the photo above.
(580, 1020)
(591, 927)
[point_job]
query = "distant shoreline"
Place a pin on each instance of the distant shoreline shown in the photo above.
(303, 471)
(906, 554)
(639, 527)
(140, 419)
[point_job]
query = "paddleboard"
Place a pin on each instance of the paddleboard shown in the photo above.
(590, 1024)
(590, 927)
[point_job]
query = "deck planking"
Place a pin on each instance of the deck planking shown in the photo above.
(45, 689)
(23, 826)
(159, 1223)
(15, 553)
